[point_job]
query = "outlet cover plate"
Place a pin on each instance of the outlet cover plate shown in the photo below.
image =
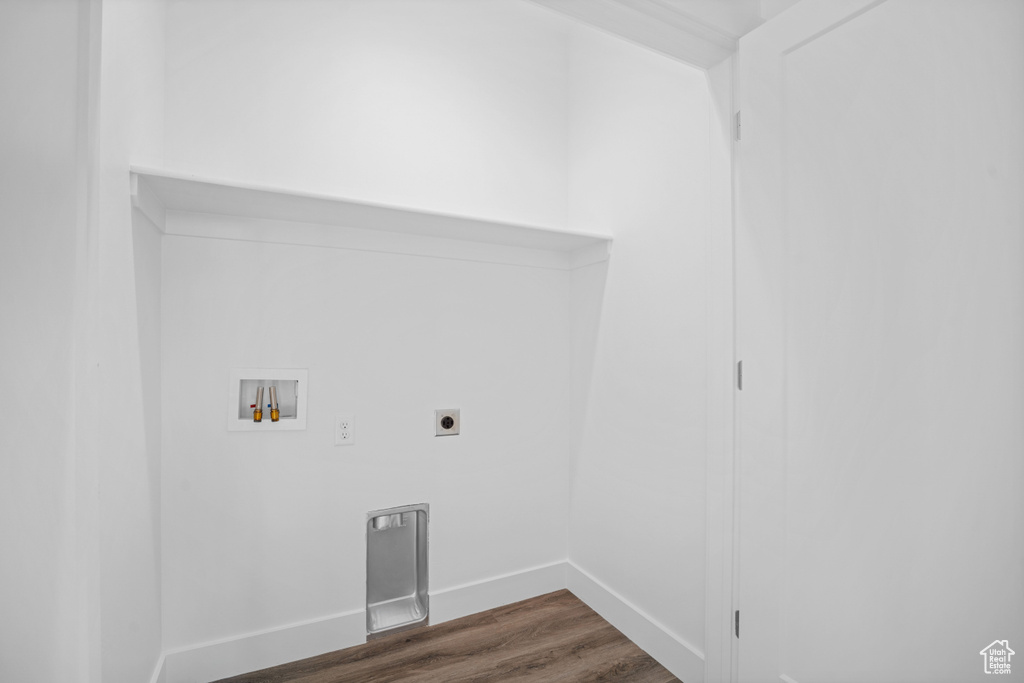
(344, 433)
(446, 422)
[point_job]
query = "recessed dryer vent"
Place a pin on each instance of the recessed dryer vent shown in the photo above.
(396, 569)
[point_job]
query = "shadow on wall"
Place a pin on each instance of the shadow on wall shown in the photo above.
(146, 247)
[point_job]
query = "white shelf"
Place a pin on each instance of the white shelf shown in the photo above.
(184, 204)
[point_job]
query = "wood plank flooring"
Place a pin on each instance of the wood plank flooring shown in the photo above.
(553, 637)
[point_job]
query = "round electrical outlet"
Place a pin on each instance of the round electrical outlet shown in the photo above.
(446, 422)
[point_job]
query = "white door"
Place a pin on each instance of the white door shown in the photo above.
(880, 295)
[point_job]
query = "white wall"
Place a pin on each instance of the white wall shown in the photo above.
(497, 109)
(128, 286)
(447, 105)
(639, 169)
(771, 8)
(265, 530)
(40, 218)
(80, 535)
(450, 106)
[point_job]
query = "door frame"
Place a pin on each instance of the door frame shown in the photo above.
(724, 456)
(757, 210)
(720, 651)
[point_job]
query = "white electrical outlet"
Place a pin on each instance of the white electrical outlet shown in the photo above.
(343, 433)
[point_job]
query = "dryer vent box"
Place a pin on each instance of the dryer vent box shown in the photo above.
(397, 586)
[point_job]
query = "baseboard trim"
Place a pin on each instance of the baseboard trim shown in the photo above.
(252, 651)
(685, 661)
(159, 673)
(478, 596)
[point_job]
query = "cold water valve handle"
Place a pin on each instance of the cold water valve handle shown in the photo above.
(275, 414)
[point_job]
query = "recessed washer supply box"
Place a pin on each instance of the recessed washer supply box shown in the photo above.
(291, 398)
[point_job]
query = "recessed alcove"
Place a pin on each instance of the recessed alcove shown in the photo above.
(244, 385)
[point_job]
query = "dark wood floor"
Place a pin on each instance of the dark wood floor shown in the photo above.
(553, 637)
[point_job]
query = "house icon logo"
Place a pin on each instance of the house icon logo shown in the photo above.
(997, 657)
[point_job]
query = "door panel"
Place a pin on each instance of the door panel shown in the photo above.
(880, 251)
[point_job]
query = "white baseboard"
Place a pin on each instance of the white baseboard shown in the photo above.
(250, 652)
(470, 598)
(685, 661)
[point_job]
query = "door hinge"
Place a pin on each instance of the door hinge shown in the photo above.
(739, 126)
(737, 620)
(739, 375)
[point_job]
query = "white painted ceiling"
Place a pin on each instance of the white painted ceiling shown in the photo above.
(732, 17)
(699, 32)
